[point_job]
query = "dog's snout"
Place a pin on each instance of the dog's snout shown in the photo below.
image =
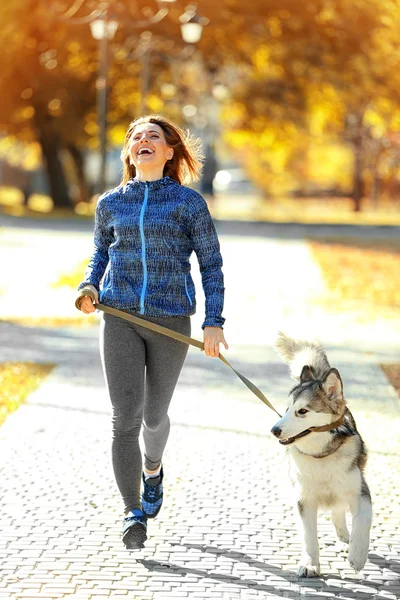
(276, 430)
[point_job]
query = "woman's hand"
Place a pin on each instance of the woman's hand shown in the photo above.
(86, 304)
(213, 337)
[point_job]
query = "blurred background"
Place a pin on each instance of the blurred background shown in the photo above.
(297, 103)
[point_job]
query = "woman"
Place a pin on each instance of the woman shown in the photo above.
(145, 232)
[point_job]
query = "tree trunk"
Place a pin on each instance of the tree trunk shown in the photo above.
(358, 181)
(376, 188)
(78, 160)
(49, 140)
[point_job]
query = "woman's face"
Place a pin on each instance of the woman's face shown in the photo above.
(148, 148)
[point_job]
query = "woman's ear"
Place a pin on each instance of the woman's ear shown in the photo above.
(170, 154)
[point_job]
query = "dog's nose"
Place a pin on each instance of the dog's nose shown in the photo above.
(276, 431)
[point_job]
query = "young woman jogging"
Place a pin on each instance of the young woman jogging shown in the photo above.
(145, 232)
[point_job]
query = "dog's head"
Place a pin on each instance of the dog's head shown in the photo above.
(313, 403)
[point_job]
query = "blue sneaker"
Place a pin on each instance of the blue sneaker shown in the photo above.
(152, 495)
(134, 532)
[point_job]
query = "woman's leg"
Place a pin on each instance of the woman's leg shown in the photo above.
(123, 356)
(164, 361)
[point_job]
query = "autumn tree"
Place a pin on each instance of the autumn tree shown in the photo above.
(325, 70)
(301, 77)
(49, 68)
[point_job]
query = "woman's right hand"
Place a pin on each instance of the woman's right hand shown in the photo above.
(87, 304)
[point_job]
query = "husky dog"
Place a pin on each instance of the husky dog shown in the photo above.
(327, 454)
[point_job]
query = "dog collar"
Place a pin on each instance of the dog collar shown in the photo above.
(322, 428)
(328, 427)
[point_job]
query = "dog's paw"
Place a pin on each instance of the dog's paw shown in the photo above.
(308, 570)
(357, 558)
(343, 536)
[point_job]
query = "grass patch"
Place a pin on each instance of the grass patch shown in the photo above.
(17, 382)
(360, 272)
(82, 321)
(74, 278)
(42, 206)
(393, 374)
(252, 207)
(236, 206)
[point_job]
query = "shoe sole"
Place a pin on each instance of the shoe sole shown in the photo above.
(135, 537)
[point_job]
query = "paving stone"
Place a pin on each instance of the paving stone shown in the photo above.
(204, 544)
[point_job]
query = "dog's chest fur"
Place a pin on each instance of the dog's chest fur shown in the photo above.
(328, 480)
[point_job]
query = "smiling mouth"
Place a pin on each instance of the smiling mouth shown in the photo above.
(145, 152)
(288, 441)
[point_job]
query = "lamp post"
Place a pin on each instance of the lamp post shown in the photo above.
(192, 30)
(192, 25)
(102, 30)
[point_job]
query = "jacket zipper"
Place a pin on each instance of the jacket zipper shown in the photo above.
(144, 205)
(187, 292)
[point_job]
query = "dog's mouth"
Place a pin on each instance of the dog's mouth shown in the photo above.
(288, 441)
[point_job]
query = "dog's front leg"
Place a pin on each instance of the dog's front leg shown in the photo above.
(339, 521)
(361, 509)
(309, 564)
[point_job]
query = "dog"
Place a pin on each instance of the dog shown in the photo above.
(327, 455)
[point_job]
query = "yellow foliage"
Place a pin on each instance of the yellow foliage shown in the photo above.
(275, 27)
(73, 47)
(91, 127)
(73, 278)
(17, 382)
(10, 196)
(234, 113)
(325, 109)
(376, 122)
(328, 164)
(357, 272)
(393, 374)
(81, 321)
(25, 155)
(117, 135)
(40, 203)
(261, 59)
(154, 103)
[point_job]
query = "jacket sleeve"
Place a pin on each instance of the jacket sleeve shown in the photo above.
(103, 237)
(206, 246)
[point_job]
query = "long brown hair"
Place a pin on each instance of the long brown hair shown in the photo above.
(187, 162)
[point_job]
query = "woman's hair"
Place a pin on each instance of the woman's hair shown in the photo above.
(187, 162)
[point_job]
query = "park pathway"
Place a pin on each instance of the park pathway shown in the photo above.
(227, 528)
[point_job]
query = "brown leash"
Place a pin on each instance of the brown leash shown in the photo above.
(175, 336)
(197, 344)
(330, 426)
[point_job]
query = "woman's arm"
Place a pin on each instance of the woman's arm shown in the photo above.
(103, 237)
(206, 246)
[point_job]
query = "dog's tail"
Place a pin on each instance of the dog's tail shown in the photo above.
(298, 353)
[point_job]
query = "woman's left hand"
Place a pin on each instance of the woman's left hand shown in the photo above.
(213, 337)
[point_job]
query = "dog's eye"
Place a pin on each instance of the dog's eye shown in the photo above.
(302, 411)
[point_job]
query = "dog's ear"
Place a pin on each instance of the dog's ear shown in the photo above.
(306, 374)
(333, 388)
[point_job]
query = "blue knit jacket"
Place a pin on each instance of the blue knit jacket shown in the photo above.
(144, 235)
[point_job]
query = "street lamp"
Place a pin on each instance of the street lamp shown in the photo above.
(102, 30)
(192, 30)
(192, 25)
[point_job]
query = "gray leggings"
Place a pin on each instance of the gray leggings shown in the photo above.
(141, 369)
